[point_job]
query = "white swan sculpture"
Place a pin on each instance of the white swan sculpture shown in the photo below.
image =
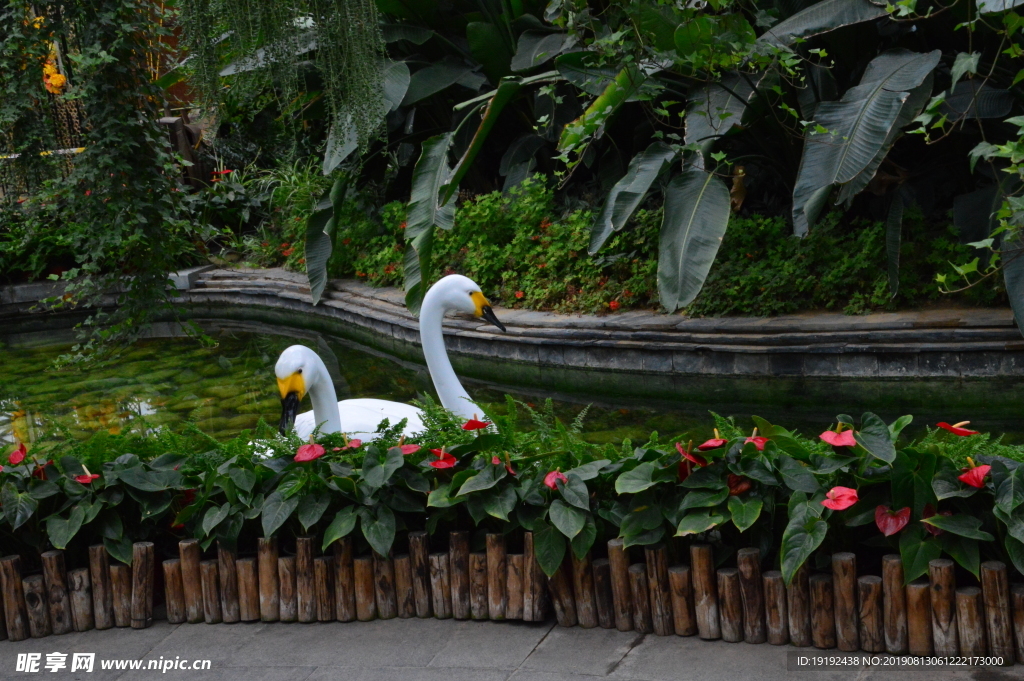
(300, 370)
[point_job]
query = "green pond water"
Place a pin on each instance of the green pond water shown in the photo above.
(229, 386)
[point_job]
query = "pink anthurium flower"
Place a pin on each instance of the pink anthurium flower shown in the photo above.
(409, 449)
(308, 453)
(474, 424)
(714, 443)
(86, 478)
(840, 498)
(890, 522)
(690, 456)
(737, 484)
(928, 512)
(444, 459)
(18, 455)
(973, 474)
(957, 428)
(843, 439)
(758, 442)
(552, 478)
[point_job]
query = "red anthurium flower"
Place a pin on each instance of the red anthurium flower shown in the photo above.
(737, 484)
(496, 460)
(308, 453)
(690, 456)
(188, 496)
(759, 442)
(18, 455)
(843, 439)
(444, 459)
(86, 478)
(928, 512)
(552, 478)
(890, 522)
(1, 469)
(713, 443)
(957, 428)
(474, 424)
(409, 449)
(40, 471)
(685, 468)
(840, 498)
(974, 475)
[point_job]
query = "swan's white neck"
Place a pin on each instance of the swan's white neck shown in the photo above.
(453, 396)
(323, 397)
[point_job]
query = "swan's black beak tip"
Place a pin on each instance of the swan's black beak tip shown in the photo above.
(488, 314)
(289, 410)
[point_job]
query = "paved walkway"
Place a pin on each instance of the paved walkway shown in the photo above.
(442, 650)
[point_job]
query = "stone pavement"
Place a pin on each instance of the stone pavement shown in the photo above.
(441, 650)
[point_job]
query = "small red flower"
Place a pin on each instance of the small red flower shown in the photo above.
(287, 252)
(713, 443)
(974, 475)
(346, 241)
(890, 522)
(519, 294)
(552, 478)
(409, 449)
(496, 460)
(265, 244)
(840, 498)
(18, 455)
(308, 453)
(690, 456)
(401, 226)
(614, 305)
(444, 459)
(86, 478)
(88, 192)
(758, 441)
(737, 484)
(843, 439)
(474, 424)
(957, 428)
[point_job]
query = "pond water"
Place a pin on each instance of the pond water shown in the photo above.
(229, 386)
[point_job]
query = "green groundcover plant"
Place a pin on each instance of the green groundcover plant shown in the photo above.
(859, 484)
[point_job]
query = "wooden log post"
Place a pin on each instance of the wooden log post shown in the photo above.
(419, 555)
(943, 600)
(55, 578)
(705, 591)
(403, 586)
(684, 619)
(530, 585)
(305, 584)
(583, 590)
(384, 587)
(440, 585)
(121, 587)
(995, 590)
(730, 604)
(190, 555)
(823, 616)
(660, 590)
(102, 591)
(560, 587)
(603, 593)
(748, 561)
(248, 589)
(894, 603)
(639, 595)
(458, 569)
(513, 587)
(919, 618)
(270, 586)
(287, 588)
(174, 591)
(366, 602)
(478, 586)
(3, 619)
(497, 574)
(229, 608)
(80, 589)
(776, 613)
(34, 588)
(871, 629)
(143, 567)
(844, 585)
(798, 605)
(13, 594)
(344, 581)
(622, 599)
(970, 621)
(323, 579)
(1017, 596)
(211, 591)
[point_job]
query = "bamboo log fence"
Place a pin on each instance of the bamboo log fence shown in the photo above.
(834, 609)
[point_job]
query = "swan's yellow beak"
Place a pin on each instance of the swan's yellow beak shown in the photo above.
(483, 309)
(292, 384)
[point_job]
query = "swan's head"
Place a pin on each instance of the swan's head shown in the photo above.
(461, 294)
(297, 369)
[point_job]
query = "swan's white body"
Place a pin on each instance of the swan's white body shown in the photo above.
(301, 370)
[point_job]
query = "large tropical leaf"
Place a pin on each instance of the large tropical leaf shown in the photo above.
(990, 6)
(629, 191)
(396, 84)
(414, 34)
(488, 48)
(425, 213)
(1013, 276)
(717, 107)
(320, 237)
(537, 47)
(342, 140)
(893, 237)
(822, 17)
(434, 78)
(583, 70)
(858, 127)
(696, 216)
(975, 99)
(522, 149)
